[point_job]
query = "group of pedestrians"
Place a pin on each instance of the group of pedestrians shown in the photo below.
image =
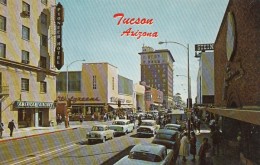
(11, 126)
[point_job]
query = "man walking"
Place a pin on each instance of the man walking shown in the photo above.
(11, 126)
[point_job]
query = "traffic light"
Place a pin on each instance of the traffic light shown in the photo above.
(69, 103)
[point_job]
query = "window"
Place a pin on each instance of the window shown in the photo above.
(26, 7)
(43, 62)
(43, 18)
(113, 83)
(26, 33)
(44, 40)
(43, 87)
(94, 82)
(2, 50)
(2, 23)
(25, 84)
(3, 2)
(25, 57)
(44, 2)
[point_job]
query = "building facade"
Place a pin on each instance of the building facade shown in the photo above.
(139, 97)
(157, 72)
(27, 72)
(205, 79)
(96, 89)
(237, 70)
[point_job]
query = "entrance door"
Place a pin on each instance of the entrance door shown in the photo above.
(40, 118)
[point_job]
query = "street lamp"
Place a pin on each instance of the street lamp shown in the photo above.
(67, 90)
(188, 77)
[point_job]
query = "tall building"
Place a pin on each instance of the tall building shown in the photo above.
(27, 75)
(205, 78)
(157, 72)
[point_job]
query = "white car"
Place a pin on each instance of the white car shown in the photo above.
(148, 127)
(122, 126)
(100, 132)
(152, 154)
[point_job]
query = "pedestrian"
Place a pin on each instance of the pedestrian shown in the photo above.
(184, 147)
(81, 118)
(93, 117)
(216, 140)
(198, 125)
(204, 152)
(1, 130)
(105, 117)
(193, 141)
(11, 126)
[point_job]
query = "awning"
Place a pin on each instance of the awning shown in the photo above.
(250, 116)
(113, 106)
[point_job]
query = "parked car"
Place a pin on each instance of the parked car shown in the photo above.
(148, 127)
(122, 126)
(170, 139)
(175, 127)
(100, 132)
(152, 154)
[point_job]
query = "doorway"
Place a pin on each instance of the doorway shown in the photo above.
(40, 118)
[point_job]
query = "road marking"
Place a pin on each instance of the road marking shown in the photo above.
(43, 154)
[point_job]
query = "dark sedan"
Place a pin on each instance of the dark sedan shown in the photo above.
(170, 139)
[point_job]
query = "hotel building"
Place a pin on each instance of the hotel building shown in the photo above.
(157, 72)
(27, 75)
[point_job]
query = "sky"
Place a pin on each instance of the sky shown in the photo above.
(91, 32)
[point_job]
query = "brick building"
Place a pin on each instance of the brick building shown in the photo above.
(236, 61)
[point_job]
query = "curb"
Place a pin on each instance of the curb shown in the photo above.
(33, 135)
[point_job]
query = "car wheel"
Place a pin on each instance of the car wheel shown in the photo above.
(89, 141)
(126, 132)
(104, 139)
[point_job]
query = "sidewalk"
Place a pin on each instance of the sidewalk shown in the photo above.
(34, 131)
(220, 159)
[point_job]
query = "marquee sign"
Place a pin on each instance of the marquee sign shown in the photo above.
(203, 47)
(59, 18)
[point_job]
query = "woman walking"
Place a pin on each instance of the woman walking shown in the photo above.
(184, 147)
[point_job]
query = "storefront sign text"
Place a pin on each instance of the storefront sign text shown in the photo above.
(204, 47)
(115, 100)
(31, 104)
(75, 99)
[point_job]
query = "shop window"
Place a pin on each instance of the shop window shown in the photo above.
(25, 84)
(25, 57)
(25, 33)
(2, 50)
(43, 87)
(2, 23)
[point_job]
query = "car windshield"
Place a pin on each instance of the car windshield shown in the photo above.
(171, 127)
(164, 136)
(118, 123)
(97, 128)
(147, 124)
(145, 156)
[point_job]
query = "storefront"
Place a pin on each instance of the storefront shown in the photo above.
(33, 114)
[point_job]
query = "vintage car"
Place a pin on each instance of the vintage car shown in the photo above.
(100, 132)
(148, 127)
(170, 139)
(152, 154)
(122, 126)
(176, 127)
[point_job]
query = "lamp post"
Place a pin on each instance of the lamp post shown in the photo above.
(67, 91)
(188, 77)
